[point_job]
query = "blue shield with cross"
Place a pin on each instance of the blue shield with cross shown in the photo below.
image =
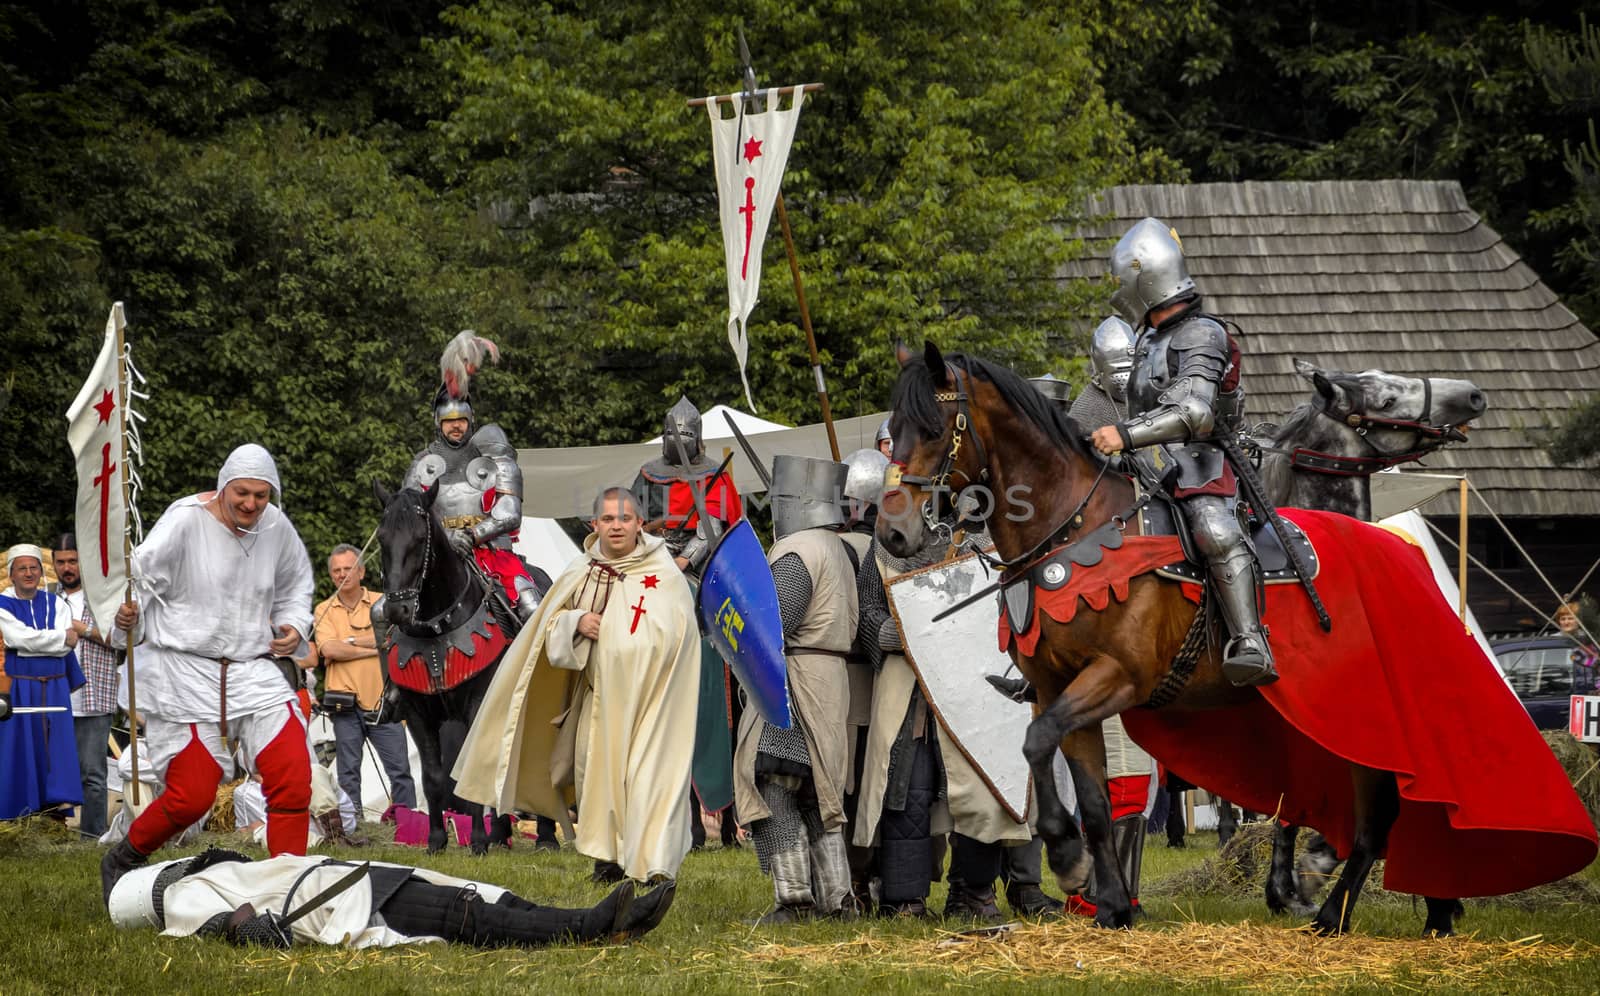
(738, 604)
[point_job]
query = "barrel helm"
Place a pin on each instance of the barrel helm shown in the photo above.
(806, 493)
(1148, 269)
(1111, 358)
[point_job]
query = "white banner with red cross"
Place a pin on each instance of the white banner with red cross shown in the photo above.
(95, 433)
(750, 149)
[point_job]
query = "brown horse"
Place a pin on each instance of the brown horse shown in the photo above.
(964, 425)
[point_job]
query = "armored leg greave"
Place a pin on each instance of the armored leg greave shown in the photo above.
(782, 845)
(527, 599)
(1247, 659)
(830, 872)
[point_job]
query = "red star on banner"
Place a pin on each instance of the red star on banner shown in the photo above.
(752, 150)
(650, 581)
(107, 405)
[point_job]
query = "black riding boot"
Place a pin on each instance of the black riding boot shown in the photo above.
(1020, 867)
(421, 909)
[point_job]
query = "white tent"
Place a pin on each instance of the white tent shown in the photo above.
(544, 544)
(714, 423)
(562, 481)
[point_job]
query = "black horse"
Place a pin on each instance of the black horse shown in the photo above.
(446, 637)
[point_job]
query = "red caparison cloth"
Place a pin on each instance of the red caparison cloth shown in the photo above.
(1398, 685)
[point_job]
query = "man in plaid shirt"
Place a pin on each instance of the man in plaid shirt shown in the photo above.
(95, 704)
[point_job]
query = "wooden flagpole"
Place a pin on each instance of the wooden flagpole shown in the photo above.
(127, 561)
(805, 323)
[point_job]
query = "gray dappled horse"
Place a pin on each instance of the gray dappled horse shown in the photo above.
(1323, 457)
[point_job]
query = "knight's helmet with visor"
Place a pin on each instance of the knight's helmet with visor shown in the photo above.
(1111, 357)
(1148, 268)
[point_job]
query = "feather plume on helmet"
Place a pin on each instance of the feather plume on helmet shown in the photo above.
(462, 358)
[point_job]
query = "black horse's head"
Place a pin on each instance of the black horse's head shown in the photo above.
(410, 543)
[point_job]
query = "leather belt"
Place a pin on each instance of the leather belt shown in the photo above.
(222, 722)
(461, 521)
(796, 651)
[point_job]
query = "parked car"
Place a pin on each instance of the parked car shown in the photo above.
(1545, 672)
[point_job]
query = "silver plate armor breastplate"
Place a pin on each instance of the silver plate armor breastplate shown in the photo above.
(485, 464)
(1172, 397)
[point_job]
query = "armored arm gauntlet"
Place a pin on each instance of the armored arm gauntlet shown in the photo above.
(505, 515)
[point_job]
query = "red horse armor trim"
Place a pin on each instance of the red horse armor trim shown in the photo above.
(415, 676)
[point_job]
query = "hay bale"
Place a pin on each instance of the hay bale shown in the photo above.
(1582, 766)
(222, 820)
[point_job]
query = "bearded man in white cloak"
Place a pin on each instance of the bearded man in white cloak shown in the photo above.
(594, 704)
(224, 588)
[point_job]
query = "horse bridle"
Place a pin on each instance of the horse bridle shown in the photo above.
(940, 479)
(1357, 418)
(444, 621)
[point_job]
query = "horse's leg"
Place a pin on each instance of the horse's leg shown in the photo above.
(1377, 805)
(1056, 827)
(1280, 876)
(435, 779)
(1227, 821)
(1442, 915)
(1098, 691)
(1314, 868)
(1114, 906)
(452, 734)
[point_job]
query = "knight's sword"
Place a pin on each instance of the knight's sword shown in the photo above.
(704, 519)
(750, 451)
(1256, 491)
(344, 884)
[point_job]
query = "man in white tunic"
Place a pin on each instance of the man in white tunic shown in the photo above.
(225, 894)
(224, 586)
(595, 703)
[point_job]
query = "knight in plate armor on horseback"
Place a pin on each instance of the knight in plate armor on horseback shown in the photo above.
(1184, 401)
(474, 467)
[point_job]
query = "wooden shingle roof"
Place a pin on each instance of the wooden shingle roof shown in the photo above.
(1396, 274)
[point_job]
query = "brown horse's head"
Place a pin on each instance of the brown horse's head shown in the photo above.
(950, 416)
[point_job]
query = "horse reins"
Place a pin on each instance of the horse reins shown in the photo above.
(1336, 465)
(940, 479)
(438, 624)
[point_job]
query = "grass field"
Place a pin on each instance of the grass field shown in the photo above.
(55, 938)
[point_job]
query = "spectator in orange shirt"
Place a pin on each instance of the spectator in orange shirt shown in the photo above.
(353, 687)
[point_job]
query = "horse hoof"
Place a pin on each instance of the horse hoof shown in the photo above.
(1438, 932)
(436, 842)
(479, 848)
(1113, 921)
(1326, 929)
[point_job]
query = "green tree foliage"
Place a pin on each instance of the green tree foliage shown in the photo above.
(1269, 89)
(1568, 63)
(921, 188)
(300, 201)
